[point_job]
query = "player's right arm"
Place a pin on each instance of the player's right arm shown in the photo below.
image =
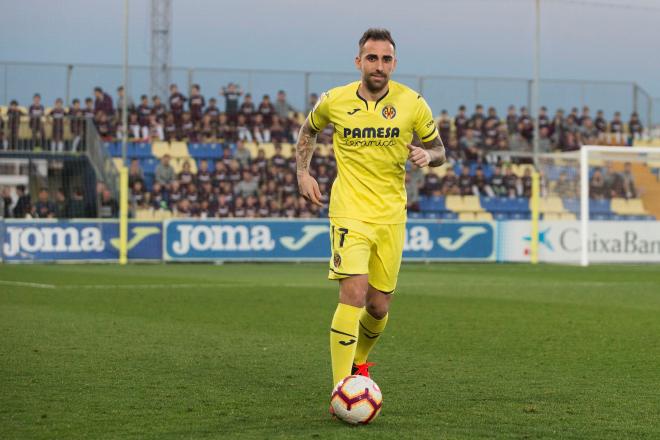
(307, 185)
(317, 119)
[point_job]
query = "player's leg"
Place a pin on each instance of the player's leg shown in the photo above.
(373, 320)
(384, 266)
(349, 265)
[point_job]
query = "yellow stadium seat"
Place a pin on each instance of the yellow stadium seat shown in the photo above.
(466, 216)
(550, 204)
(3, 110)
(160, 149)
(269, 150)
(454, 203)
(177, 164)
(144, 214)
(471, 203)
(483, 216)
(179, 149)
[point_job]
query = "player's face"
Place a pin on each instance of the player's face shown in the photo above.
(376, 61)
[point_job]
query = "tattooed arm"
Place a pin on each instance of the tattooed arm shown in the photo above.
(307, 185)
(432, 154)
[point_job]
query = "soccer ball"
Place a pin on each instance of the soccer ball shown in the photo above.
(356, 400)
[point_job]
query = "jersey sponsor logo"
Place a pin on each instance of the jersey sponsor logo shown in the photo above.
(389, 112)
(371, 136)
(354, 111)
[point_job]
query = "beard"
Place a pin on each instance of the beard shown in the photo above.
(375, 85)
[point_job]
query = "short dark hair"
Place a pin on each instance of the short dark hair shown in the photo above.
(98, 89)
(378, 34)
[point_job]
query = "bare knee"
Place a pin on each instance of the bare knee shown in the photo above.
(353, 290)
(378, 303)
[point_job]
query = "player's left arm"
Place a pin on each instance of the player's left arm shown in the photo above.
(432, 152)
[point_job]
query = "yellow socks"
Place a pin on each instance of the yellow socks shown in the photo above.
(370, 330)
(343, 340)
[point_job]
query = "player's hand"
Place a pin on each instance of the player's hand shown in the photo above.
(418, 156)
(309, 188)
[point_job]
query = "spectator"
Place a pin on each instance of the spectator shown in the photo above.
(44, 208)
(518, 142)
(76, 123)
(277, 131)
(597, 185)
(526, 183)
(616, 125)
(203, 172)
(242, 129)
(137, 196)
(176, 101)
(76, 207)
(130, 105)
(512, 120)
(282, 106)
(449, 183)
(585, 115)
(460, 123)
(311, 102)
(170, 129)
(156, 132)
(6, 201)
(545, 146)
(266, 110)
(144, 112)
(564, 187)
(478, 115)
(158, 109)
(544, 121)
(232, 94)
(165, 174)
(248, 186)
(239, 208)
(103, 102)
(470, 146)
(247, 108)
(242, 154)
(497, 183)
(36, 113)
(13, 124)
(135, 173)
(158, 197)
(104, 126)
(57, 115)
(212, 111)
(226, 131)
(223, 208)
(260, 131)
(187, 129)
(480, 184)
(635, 126)
(196, 104)
(465, 182)
(444, 128)
(108, 206)
(512, 183)
(629, 190)
(61, 204)
(174, 194)
(600, 123)
(219, 174)
(186, 176)
(234, 174)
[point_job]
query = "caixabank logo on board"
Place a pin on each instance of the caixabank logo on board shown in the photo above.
(309, 239)
(78, 240)
(607, 241)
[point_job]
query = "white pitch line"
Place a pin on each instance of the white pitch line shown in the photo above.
(24, 284)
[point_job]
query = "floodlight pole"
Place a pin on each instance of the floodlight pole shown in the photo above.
(534, 111)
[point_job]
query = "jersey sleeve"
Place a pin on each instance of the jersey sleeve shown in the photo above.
(319, 117)
(424, 123)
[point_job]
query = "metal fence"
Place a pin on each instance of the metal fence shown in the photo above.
(21, 80)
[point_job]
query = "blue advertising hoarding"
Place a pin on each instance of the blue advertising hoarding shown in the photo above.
(78, 240)
(293, 240)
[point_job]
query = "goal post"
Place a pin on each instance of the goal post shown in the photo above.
(596, 153)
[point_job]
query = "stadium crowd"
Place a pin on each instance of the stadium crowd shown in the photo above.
(239, 185)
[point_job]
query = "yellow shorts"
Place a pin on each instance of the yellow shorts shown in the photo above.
(360, 248)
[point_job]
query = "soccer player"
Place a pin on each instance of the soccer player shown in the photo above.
(374, 120)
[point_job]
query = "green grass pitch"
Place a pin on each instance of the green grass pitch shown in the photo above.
(241, 351)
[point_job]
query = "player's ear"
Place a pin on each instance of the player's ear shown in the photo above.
(358, 63)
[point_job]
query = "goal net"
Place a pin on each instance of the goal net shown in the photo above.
(600, 205)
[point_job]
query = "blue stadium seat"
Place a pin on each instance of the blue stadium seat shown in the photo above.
(599, 206)
(432, 203)
(149, 165)
(448, 215)
(413, 214)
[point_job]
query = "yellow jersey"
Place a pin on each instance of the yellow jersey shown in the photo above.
(370, 144)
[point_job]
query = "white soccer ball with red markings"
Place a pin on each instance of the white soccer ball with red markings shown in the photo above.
(356, 400)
